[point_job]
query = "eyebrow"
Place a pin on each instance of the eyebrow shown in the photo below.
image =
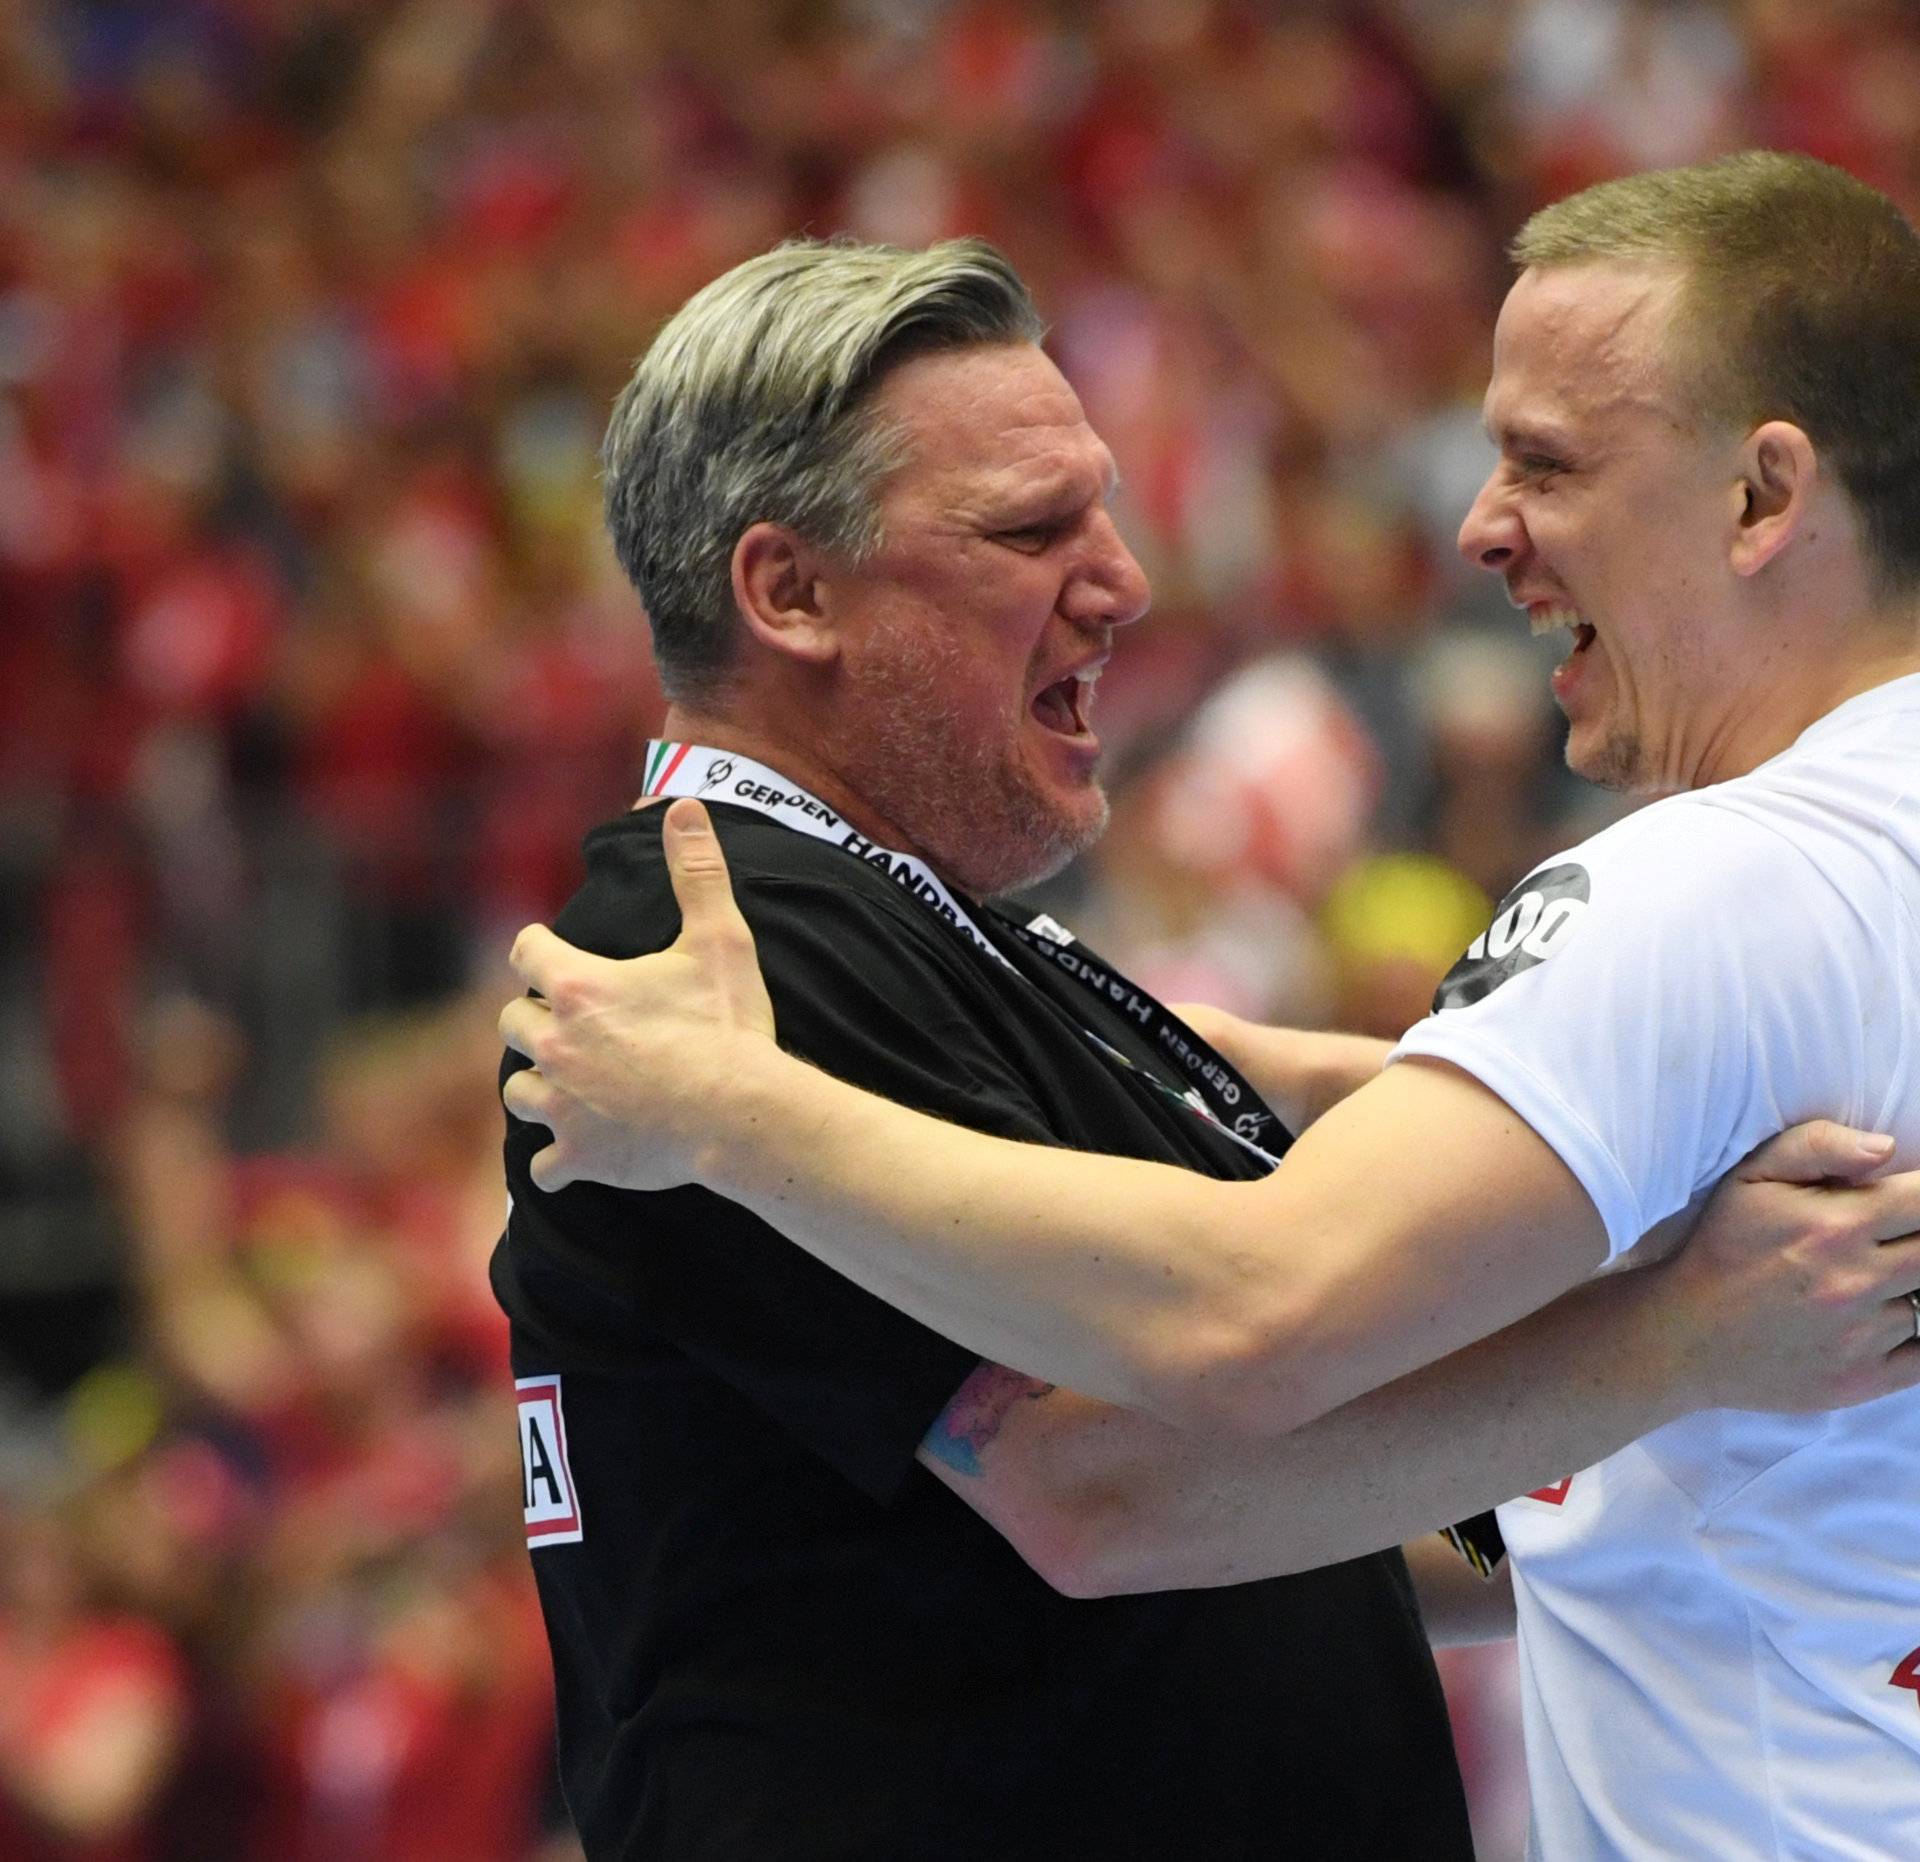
(1518, 436)
(1059, 495)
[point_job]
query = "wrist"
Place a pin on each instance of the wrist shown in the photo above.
(748, 1125)
(1665, 1339)
(1329, 1067)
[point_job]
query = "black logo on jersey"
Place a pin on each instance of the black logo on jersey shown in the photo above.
(717, 774)
(1533, 921)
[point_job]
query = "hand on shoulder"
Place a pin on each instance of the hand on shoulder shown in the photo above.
(638, 1065)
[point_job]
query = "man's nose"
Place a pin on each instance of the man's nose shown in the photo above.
(1491, 534)
(1112, 589)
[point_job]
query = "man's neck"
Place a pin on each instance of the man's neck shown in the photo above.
(1785, 707)
(799, 764)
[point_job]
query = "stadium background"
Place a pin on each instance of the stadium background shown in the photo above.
(314, 665)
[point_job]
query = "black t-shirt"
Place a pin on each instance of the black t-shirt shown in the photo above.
(776, 1636)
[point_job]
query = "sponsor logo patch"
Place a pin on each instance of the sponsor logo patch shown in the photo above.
(1044, 924)
(546, 1480)
(1534, 921)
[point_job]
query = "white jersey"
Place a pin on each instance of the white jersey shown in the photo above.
(1720, 1625)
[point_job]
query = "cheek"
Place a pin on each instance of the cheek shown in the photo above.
(981, 685)
(997, 624)
(1553, 528)
(1015, 644)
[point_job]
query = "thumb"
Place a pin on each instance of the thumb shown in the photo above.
(701, 882)
(1815, 1151)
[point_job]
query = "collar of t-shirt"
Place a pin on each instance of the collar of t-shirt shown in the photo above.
(1889, 698)
(1216, 1091)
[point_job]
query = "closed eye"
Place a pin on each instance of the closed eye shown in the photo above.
(1030, 537)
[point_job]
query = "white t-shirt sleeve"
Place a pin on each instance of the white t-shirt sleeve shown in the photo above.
(1659, 1000)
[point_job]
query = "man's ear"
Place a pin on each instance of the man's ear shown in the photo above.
(778, 589)
(1779, 474)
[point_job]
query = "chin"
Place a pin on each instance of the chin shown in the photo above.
(1612, 761)
(1024, 844)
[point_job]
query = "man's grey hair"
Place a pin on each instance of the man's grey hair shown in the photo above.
(752, 405)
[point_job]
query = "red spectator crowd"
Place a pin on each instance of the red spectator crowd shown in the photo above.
(314, 666)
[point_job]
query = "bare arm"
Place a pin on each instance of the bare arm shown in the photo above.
(1300, 1072)
(1373, 1250)
(1100, 1499)
(1415, 1217)
(1257, 1304)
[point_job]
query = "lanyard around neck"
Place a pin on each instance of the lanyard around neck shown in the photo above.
(1215, 1091)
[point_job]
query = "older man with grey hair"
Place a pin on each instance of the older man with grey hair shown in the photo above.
(870, 526)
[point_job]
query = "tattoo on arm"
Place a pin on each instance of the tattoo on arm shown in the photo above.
(970, 1422)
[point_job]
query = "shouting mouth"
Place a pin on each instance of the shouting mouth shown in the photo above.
(1547, 617)
(1066, 705)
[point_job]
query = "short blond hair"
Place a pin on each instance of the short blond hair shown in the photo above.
(1800, 301)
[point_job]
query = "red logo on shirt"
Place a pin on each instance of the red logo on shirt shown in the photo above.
(1556, 1495)
(1908, 1674)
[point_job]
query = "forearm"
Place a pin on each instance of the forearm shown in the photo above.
(1332, 1066)
(1419, 1214)
(1162, 1510)
(1259, 1305)
(1114, 1277)
(1300, 1072)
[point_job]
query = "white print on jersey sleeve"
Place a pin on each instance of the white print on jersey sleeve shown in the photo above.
(551, 1500)
(1652, 1002)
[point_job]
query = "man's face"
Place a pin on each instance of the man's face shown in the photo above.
(1610, 514)
(972, 638)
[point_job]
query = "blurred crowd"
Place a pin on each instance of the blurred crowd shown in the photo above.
(314, 665)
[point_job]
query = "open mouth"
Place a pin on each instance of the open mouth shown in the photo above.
(1545, 617)
(1066, 704)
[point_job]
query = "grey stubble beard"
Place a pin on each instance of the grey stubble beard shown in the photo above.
(964, 802)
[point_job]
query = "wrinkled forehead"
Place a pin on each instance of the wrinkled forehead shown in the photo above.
(992, 414)
(1586, 340)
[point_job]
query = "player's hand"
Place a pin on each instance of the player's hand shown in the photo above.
(637, 1064)
(1792, 1290)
